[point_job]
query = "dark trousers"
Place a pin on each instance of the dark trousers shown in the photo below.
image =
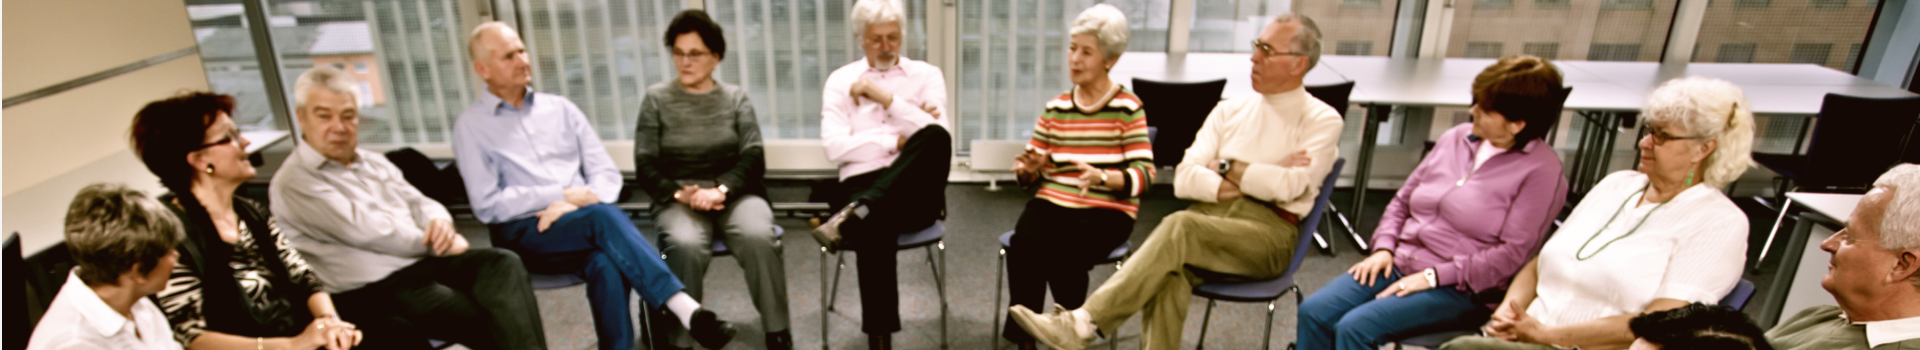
(904, 197)
(1053, 248)
(598, 243)
(480, 299)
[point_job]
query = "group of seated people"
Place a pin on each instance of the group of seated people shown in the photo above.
(348, 254)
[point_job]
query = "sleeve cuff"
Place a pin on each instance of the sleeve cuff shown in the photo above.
(1446, 274)
(1383, 242)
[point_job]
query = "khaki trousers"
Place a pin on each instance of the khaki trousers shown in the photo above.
(1486, 343)
(1240, 238)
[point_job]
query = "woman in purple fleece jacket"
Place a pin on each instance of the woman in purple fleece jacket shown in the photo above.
(1468, 218)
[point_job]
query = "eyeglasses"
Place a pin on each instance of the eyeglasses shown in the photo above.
(692, 55)
(1661, 137)
(1268, 49)
(877, 39)
(232, 138)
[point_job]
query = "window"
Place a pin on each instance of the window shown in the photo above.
(1614, 52)
(1493, 4)
(1013, 59)
(1587, 32)
(1353, 48)
(1811, 53)
(1735, 53)
(1829, 4)
(1772, 34)
(1549, 51)
(783, 51)
(1484, 49)
(366, 94)
(1227, 25)
(1853, 59)
(360, 67)
(1360, 3)
(227, 53)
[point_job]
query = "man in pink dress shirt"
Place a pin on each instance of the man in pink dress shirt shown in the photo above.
(882, 124)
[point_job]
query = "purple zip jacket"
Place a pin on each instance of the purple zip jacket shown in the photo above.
(1474, 228)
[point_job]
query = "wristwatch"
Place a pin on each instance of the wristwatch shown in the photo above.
(1224, 166)
(722, 188)
(1429, 274)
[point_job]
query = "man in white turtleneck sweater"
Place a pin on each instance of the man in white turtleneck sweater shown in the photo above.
(1255, 168)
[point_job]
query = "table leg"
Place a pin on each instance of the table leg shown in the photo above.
(1612, 133)
(1369, 128)
(1783, 276)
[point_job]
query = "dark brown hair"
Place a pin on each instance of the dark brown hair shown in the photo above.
(1522, 88)
(165, 131)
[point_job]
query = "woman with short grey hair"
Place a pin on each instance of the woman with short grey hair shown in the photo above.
(122, 242)
(1091, 160)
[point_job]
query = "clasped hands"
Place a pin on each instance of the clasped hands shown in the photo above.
(327, 333)
(701, 199)
(575, 197)
(1230, 188)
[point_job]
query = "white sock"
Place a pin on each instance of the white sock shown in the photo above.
(683, 306)
(1085, 327)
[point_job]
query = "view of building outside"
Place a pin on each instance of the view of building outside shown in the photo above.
(1567, 30)
(1347, 27)
(1822, 32)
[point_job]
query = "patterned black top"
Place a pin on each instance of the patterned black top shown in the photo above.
(181, 300)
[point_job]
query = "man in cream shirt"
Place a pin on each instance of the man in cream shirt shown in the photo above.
(1255, 168)
(1874, 275)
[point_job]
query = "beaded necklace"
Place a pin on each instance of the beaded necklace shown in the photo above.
(1616, 215)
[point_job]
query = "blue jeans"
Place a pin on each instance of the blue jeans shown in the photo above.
(1344, 315)
(598, 243)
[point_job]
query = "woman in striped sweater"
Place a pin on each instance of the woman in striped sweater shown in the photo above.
(1090, 159)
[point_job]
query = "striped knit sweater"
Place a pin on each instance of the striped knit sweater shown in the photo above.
(1113, 138)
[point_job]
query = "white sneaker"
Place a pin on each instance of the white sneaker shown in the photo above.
(1057, 329)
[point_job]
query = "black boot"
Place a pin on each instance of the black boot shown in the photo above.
(708, 330)
(782, 340)
(880, 341)
(664, 325)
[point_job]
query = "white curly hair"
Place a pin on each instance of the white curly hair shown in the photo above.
(871, 12)
(1107, 25)
(1900, 224)
(1714, 109)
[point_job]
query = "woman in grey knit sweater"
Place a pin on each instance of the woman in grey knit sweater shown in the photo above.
(697, 153)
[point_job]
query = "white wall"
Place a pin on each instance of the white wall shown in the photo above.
(54, 145)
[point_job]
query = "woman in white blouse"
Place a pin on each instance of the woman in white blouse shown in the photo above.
(1648, 240)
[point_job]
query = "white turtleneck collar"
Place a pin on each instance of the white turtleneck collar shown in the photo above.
(1287, 98)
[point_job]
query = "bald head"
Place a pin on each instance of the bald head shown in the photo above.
(477, 44)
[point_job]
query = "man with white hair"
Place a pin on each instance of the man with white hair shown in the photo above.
(1874, 275)
(881, 124)
(541, 180)
(1255, 167)
(384, 250)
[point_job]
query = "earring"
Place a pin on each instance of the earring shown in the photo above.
(209, 169)
(1689, 179)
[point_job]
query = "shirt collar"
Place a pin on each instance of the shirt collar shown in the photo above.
(309, 158)
(1889, 331)
(899, 67)
(96, 312)
(1531, 145)
(488, 99)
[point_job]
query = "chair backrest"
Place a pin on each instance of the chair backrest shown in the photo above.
(1333, 94)
(1177, 110)
(1855, 139)
(1738, 298)
(47, 270)
(1312, 221)
(16, 294)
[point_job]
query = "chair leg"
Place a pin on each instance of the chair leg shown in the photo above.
(1267, 343)
(999, 281)
(838, 264)
(825, 305)
(940, 280)
(1203, 325)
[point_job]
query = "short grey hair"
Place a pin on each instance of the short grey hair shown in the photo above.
(1307, 40)
(871, 12)
(473, 39)
(1107, 25)
(1713, 109)
(1900, 223)
(111, 228)
(324, 77)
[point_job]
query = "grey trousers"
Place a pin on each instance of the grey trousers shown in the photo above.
(746, 225)
(1486, 343)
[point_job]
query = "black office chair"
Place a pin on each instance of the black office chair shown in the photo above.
(1855, 139)
(46, 271)
(1176, 111)
(1335, 95)
(17, 295)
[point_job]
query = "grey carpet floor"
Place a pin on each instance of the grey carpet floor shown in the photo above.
(976, 217)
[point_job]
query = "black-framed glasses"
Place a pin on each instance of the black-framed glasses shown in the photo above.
(1661, 137)
(1268, 49)
(232, 137)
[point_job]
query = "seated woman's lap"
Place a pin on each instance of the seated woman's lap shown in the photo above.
(1349, 306)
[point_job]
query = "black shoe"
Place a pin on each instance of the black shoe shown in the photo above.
(782, 340)
(829, 234)
(880, 341)
(664, 325)
(709, 330)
